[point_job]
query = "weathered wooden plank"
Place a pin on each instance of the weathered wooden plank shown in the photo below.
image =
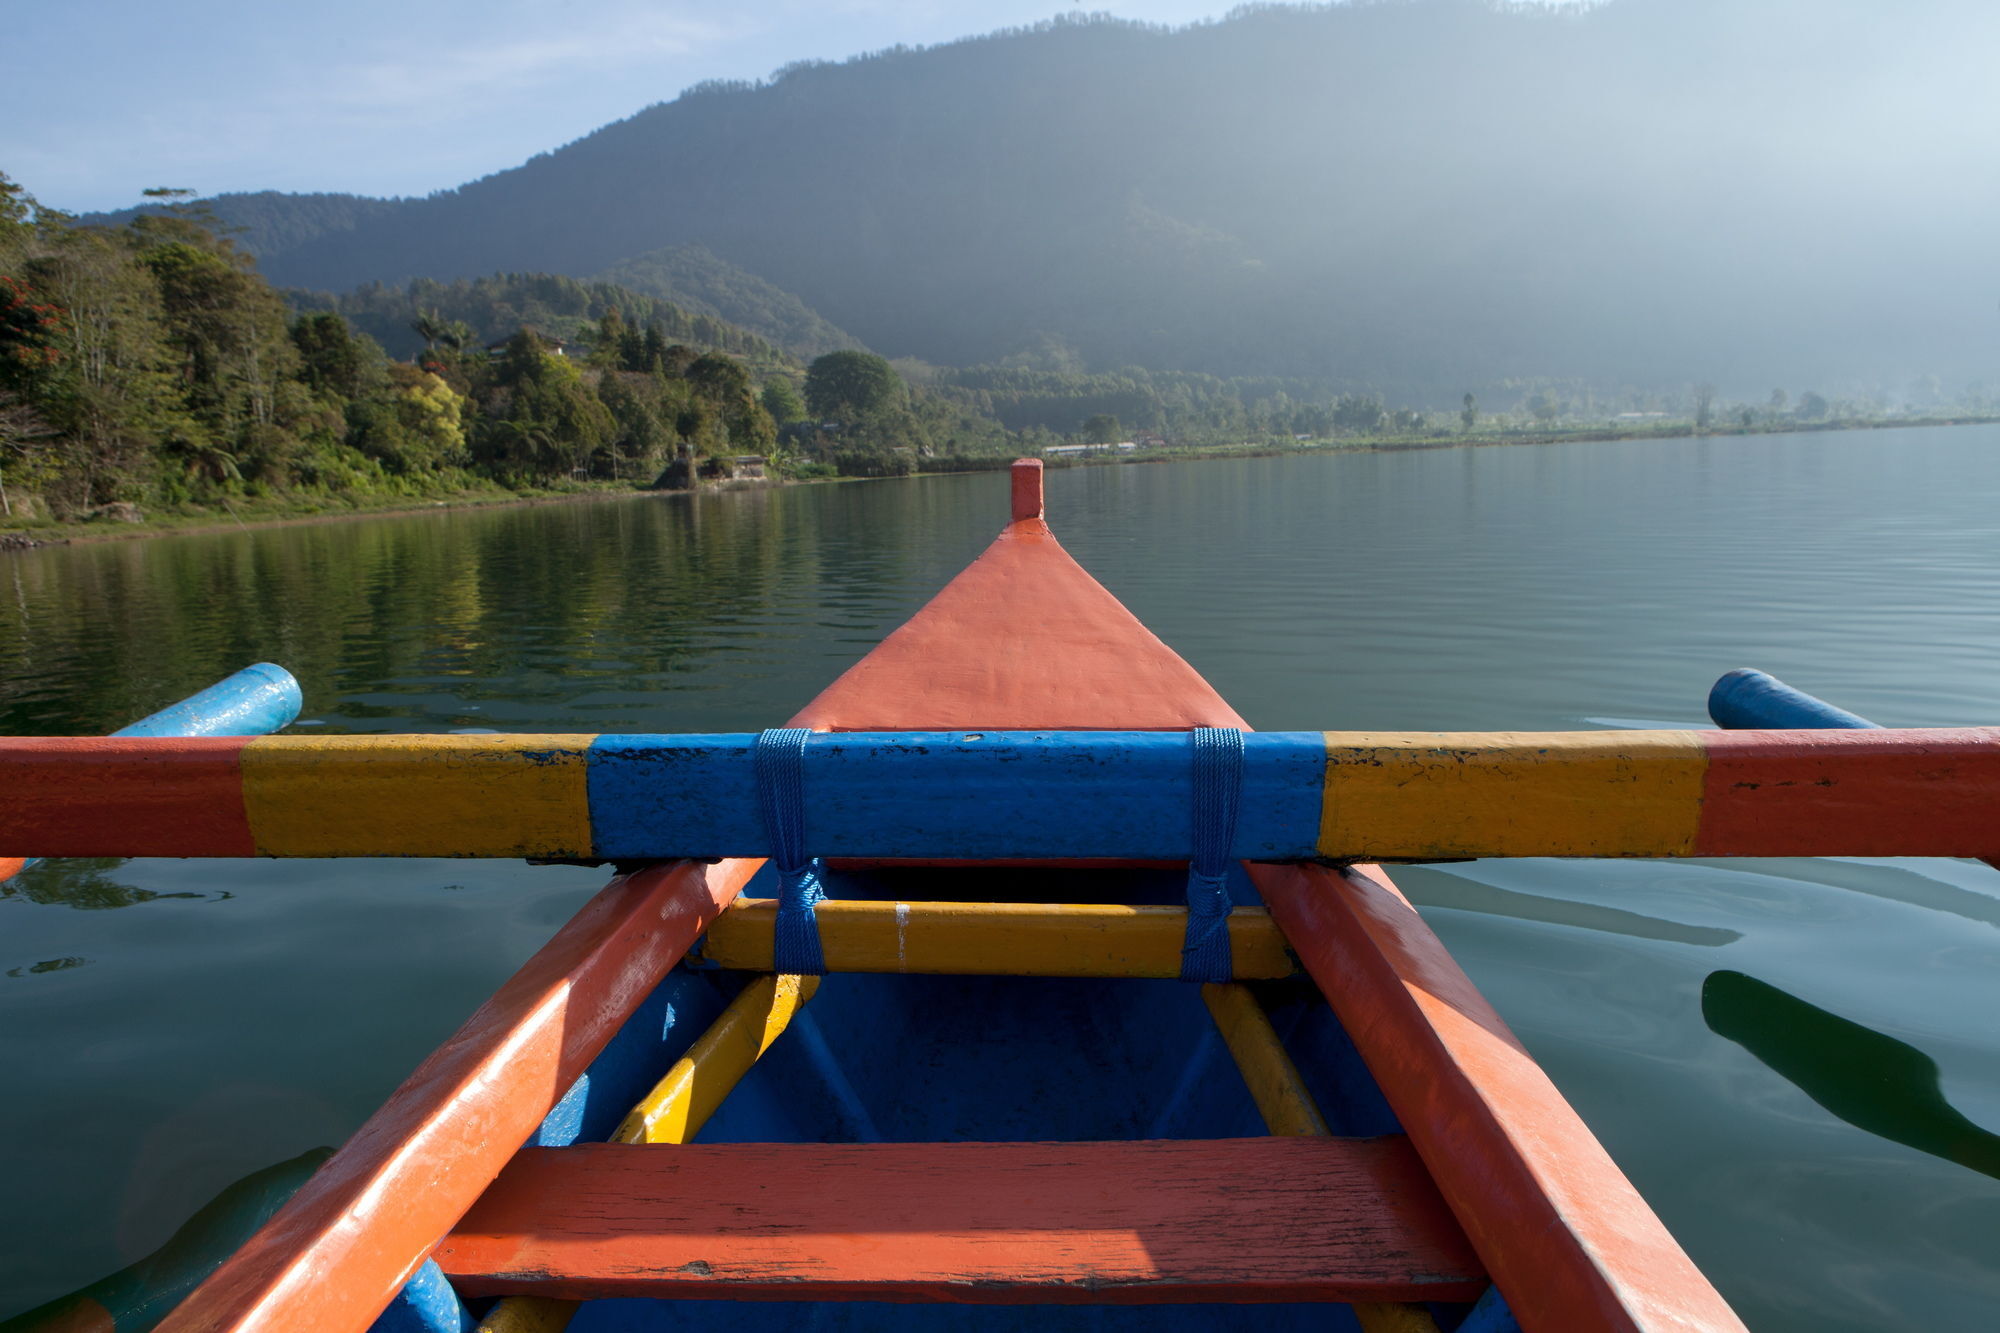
(997, 939)
(1565, 1235)
(1289, 1110)
(678, 1106)
(989, 1223)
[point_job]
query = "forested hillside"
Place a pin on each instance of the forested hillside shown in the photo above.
(268, 222)
(693, 277)
(563, 308)
(149, 367)
(1416, 196)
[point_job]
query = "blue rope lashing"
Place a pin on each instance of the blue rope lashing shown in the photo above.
(1218, 791)
(780, 760)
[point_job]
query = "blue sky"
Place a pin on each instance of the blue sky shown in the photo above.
(101, 98)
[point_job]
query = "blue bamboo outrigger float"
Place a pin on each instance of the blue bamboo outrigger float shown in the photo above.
(1014, 984)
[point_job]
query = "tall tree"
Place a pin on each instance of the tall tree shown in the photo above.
(1101, 428)
(851, 386)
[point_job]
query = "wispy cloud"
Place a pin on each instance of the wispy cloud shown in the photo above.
(570, 49)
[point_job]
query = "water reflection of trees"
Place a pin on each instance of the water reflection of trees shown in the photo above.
(527, 605)
(88, 884)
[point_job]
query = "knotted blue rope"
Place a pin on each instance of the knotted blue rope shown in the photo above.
(1218, 791)
(780, 760)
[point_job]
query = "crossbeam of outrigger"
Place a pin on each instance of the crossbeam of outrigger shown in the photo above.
(1374, 796)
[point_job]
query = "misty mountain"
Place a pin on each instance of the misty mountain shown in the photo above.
(1416, 196)
(696, 279)
(268, 222)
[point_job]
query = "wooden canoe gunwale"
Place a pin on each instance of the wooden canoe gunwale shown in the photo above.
(1022, 639)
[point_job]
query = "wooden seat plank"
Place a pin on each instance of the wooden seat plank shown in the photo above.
(987, 1223)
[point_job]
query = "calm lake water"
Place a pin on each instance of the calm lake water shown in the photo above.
(167, 1027)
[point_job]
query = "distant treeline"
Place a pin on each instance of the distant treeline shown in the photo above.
(1181, 405)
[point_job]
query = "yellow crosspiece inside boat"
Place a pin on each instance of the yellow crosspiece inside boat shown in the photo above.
(679, 1105)
(683, 1100)
(997, 939)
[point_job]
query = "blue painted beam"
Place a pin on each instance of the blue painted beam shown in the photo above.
(1749, 700)
(1107, 795)
(426, 1304)
(256, 701)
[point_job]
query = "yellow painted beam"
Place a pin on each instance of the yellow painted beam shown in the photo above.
(679, 1105)
(1281, 1096)
(682, 1101)
(1288, 1109)
(997, 939)
(1388, 1317)
(411, 795)
(529, 1314)
(1445, 794)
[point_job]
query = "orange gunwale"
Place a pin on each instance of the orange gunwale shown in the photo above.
(1023, 638)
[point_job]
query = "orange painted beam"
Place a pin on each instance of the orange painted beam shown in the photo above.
(987, 1223)
(182, 798)
(340, 1250)
(1568, 1240)
(1792, 793)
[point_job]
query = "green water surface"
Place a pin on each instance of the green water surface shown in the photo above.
(1798, 1061)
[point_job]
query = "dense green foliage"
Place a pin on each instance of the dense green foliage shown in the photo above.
(149, 365)
(492, 308)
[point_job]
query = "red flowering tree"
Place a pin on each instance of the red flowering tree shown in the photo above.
(31, 331)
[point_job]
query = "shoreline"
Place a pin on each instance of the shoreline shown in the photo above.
(28, 538)
(208, 525)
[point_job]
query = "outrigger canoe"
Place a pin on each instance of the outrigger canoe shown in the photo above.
(1015, 984)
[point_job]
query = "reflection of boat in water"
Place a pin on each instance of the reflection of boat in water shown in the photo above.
(1872, 1081)
(141, 1294)
(1004, 1104)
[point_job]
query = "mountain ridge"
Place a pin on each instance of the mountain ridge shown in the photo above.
(1412, 196)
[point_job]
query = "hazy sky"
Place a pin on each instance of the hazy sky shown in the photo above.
(102, 98)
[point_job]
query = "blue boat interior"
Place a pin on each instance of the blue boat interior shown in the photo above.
(906, 1058)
